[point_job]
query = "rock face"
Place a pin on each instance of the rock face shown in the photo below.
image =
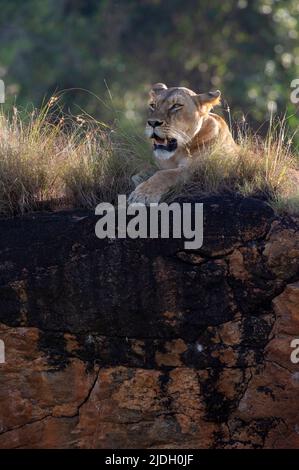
(143, 344)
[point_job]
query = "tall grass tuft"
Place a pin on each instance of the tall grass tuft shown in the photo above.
(50, 160)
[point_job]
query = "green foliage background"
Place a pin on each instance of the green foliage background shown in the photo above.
(247, 48)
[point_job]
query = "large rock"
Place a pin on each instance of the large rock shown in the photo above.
(141, 343)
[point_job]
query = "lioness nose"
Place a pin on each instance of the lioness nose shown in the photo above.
(155, 123)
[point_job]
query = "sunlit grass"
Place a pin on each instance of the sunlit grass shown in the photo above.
(51, 160)
(265, 168)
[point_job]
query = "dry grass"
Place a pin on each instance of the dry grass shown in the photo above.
(264, 168)
(47, 161)
(79, 162)
(286, 204)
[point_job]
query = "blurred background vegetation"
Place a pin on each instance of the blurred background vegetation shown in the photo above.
(115, 49)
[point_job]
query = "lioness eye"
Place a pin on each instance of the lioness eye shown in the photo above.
(176, 107)
(152, 105)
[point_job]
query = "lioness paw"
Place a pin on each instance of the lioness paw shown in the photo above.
(144, 194)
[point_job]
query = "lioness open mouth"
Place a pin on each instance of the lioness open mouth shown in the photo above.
(168, 145)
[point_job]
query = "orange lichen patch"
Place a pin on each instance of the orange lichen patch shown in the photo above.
(286, 306)
(172, 354)
(192, 258)
(67, 409)
(231, 332)
(139, 392)
(229, 383)
(71, 342)
(236, 266)
(138, 347)
(226, 356)
(282, 252)
(171, 317)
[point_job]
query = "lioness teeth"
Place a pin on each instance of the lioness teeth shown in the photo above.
(160, 141)
(167, 145)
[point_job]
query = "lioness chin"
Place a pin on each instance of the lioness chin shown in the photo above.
(181, 125)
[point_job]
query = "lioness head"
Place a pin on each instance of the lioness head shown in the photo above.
(175, 116)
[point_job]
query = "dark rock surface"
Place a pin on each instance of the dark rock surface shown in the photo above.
(141, 343)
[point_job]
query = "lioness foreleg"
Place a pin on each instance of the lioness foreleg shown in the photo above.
(157, 185)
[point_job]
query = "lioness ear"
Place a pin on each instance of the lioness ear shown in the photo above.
(208, 99)
(157, 88)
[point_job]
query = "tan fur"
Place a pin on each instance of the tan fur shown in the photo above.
(183, 115)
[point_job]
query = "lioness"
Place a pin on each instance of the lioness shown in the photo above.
(181, 125)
